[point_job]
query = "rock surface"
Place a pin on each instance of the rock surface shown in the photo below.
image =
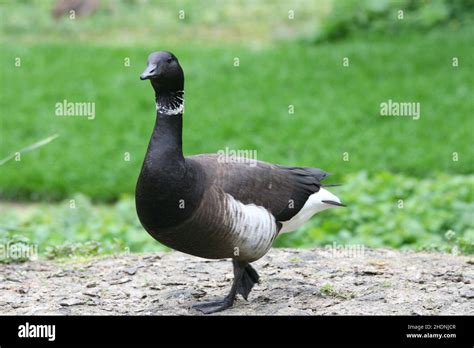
(293, 282)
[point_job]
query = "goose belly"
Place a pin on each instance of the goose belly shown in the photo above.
(223, 227)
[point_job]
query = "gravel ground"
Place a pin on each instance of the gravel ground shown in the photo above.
(293, 282)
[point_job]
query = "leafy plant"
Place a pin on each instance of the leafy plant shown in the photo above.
(384, 210)
(398, 211)
(328, 290)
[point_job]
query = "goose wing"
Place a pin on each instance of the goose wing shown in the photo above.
(282, 190)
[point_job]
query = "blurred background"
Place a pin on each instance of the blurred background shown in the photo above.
(307, 90)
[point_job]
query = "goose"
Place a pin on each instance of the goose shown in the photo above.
(216, 208)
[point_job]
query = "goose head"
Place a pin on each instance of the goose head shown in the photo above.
(164, 72)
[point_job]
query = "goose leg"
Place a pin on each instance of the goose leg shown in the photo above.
(228, 301)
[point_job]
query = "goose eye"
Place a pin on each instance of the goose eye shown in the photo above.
(170, 60)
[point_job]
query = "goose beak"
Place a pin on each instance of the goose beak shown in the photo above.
(339, 204)
(149, 72)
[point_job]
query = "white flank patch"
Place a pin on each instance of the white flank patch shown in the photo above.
(312, 206)
(254, 228)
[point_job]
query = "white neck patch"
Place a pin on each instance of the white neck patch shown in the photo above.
(173, 107)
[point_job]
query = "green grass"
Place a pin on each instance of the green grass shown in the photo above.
(336, 109)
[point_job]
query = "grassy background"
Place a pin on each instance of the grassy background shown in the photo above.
(337, 111)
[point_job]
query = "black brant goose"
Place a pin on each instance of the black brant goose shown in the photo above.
(213, 208)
